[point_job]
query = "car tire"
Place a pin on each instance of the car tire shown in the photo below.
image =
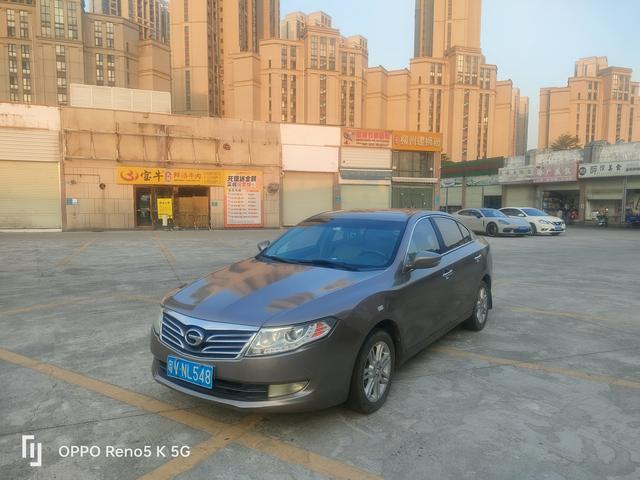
(363, 397)
(534, 230)
(478, 318)
(492, 229)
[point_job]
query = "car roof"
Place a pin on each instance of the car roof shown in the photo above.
(394, 214)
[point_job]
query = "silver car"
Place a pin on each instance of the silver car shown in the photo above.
(491, 222)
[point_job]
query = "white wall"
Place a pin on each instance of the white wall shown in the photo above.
(317, 135)
(305, 158)
(29, 116)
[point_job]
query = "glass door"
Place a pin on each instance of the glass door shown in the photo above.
(143, 207)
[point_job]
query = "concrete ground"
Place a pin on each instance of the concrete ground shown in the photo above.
(549, 390)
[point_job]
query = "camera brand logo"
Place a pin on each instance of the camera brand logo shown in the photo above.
(32, 450)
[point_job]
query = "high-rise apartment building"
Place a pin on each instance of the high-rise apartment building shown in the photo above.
(449, 88)
(599, 103)
(46, 45)
(152, 16)
(204, 78)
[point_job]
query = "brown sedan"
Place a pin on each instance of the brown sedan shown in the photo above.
(325, 313)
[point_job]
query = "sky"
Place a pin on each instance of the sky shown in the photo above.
(535, 43)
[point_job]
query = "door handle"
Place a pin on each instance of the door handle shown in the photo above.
(448, 274)
(478, 257)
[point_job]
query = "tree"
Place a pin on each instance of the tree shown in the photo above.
(566, 142)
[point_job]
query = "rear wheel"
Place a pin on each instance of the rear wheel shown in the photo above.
(534, 230)
(492, 229)
(371, 378)
(478, 318)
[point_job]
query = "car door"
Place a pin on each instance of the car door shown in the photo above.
(420, 299)
(465, 217)
(463, 259)
(477, 220)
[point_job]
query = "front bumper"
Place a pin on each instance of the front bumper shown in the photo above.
(514, 230)
(242, 384)
(550, 229)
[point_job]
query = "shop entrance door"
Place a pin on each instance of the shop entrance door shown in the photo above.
(143, 207)
(412, 197)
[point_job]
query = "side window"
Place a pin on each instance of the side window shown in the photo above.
(511, 212)
(423, 239)
(476, 213)
(464, 213)
(451, 235)
(466, 234)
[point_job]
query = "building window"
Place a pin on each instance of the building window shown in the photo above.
(187, 57)
(449, 9)
(438, 109)
(323, 53)
(352, 103)
(99, 69)
(352, 64)
(45, 18)
(72, 20)
(187, 90)
(343, 102)
(110, 35)
(58, 17)
(186, 10)
(465, 124)
(332, 54)
(630, 135)
(448, 36)
(618, 122)
(270, 103)
(97, 33)
(293, 98)
(431, 109)
(11, 23)
(24, 24)
(14, 88)
(293, 58)
(323, 99)
(343, 63)
(314, 51)
(26, 73)
(61, 74)
(243, 19)
(283, 57)
(284, 98)
(412, 164)
(111, 70)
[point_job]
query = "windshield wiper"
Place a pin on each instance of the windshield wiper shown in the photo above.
(278, 259)
(328, 263)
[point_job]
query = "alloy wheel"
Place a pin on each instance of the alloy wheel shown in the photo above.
(377, 371)
(482, 305)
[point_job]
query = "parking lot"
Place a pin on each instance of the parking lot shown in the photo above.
(550, 389)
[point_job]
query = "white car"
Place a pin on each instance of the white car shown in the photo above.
(540, 222)
(491, 221)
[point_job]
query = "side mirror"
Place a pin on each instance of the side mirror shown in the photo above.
(264, 244)
(424, 260)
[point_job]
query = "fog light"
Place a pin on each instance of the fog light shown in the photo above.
(285, 389)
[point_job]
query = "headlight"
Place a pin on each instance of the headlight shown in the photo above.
(285, 339)
(503, 222)
(546, 222)
(157, 323)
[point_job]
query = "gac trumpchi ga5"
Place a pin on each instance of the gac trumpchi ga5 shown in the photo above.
(325, 313)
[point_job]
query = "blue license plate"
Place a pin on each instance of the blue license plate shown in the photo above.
(192, 372)
(558, 227)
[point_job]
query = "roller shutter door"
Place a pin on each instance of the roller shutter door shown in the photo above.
(364, 196)
(30, 195)
(451, 196)
(305, 194)
(519, 196)
(473, 197)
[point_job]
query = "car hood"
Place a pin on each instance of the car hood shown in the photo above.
(252, 292)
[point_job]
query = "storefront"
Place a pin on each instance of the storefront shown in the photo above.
(415, 166)
(310, 171)
(611, 188)
(180, 197)
(365, 169)
(30, 167)
(472, 184)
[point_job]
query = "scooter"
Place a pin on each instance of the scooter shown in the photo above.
(602, 219)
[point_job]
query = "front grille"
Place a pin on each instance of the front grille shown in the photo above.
(221, 344)
(557, 223)
(230, 390)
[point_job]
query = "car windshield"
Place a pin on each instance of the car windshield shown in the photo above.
(339, 243)
(534, 212)
(490, 212)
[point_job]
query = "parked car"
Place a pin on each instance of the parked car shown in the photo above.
(324, 314)
(540, 222)
(492, 222)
